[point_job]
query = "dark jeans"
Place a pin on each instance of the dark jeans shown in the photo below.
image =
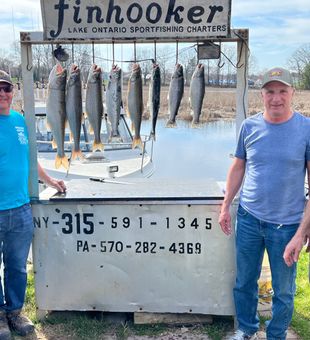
(253, 236)
(16, 231)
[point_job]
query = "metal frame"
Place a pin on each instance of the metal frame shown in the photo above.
(27, 39)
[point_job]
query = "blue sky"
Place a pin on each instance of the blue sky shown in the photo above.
(277, 27)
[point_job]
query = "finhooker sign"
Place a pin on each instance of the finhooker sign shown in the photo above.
(135, 19)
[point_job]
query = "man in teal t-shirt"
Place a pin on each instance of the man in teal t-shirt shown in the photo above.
(16, 224)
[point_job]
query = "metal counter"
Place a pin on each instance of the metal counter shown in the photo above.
(147, 245)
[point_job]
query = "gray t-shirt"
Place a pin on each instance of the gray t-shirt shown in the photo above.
(276, 155)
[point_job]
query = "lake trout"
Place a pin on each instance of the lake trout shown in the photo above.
(135, 103)
(93, 104)
(56, 112)
(114, 102)
(74, 109)
(176, 90)
(154, 97)
(197, 92)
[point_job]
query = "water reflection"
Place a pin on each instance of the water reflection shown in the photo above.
(188, 153)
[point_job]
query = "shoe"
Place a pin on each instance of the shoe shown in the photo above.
(240, 335)
(19, 323)
(5, 333)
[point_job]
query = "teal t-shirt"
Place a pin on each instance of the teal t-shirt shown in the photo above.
(14, 161)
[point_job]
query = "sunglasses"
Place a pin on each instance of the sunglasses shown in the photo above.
(6, 88)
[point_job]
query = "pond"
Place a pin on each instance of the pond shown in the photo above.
(192, 153)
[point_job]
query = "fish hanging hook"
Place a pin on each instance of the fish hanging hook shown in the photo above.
(197, 54)
(155, 53)
(220, 64)
(113, 53)
(29, 66)
(93, 51)
(177, 53)
(135, 51)
(72, 53)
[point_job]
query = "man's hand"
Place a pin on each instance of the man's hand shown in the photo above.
(225, 221)
(293, 249)
(59, 185)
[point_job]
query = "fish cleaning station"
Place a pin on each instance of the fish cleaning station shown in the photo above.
(136, 245)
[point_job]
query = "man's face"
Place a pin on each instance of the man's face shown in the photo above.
(277, 98)
(6, 97)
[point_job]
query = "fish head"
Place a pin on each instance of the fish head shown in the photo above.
(94, 74)
(74, 75)
(57, 78)
(178, 71)
(116, 73)
(156, 71)
(135, 73)
(199, 71)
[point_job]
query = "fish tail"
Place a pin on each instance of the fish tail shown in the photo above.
(116, 139)
(61, 161)
(54, 145)
(77, 154)
(98, 146)
(137, 142)
(171, 124)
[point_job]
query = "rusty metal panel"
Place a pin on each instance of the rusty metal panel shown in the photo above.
(209, 51)
(128, 19)
(127, 258)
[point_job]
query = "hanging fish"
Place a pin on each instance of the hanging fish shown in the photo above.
(74, 109)
(56, 112)
(176, 90)
(93, 104)
(154, 97)
(135, 103)
(114, 102)
(197, 92)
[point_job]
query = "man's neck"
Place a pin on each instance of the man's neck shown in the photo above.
(275, 119)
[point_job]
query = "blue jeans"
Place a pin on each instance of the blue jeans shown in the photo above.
(253, 236)
(16, 231)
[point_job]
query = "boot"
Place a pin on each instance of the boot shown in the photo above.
(5, 333)
(19, 323)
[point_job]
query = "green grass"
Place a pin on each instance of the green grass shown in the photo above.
(90, 325)
(301, 317)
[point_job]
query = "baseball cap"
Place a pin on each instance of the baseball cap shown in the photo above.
(277, 74)
(5, 78)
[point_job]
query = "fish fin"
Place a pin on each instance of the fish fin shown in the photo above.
(91, 130)
(54, 144)
(61, 161)
(98, 146)
(137, 142)
(116, 139)
(48, 127)
(132, 127)
(196, 124)
(71, 137)
(77, 154)
(171, 124)
(153, 136)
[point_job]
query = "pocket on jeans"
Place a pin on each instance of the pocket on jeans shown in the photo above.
(241, 211)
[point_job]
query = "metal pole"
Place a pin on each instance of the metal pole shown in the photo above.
(242, 81)
(28, 94)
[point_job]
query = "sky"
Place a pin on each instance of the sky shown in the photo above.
(277, 28)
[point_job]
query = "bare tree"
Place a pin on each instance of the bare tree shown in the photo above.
(299, 60)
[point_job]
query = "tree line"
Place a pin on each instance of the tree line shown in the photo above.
(220, 72)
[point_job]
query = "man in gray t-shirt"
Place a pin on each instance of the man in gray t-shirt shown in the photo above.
(271, 161)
